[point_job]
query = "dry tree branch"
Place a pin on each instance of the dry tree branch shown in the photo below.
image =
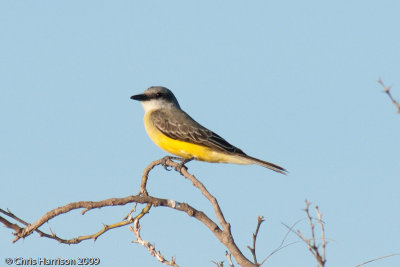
(376, 259)
(150, 247)
(87, 205)
(19, 229)
(229, 257)
(219, 264)
(183, 171)
(224, 235)
(130, 212)
(387, 91)
(24, 232)
(282, 245)
(321, 225)
(311, 242)
(260, 220)
(8, 224)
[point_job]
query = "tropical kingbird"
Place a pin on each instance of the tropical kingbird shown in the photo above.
(176, 132)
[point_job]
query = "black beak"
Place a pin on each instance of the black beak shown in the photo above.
(140, 97)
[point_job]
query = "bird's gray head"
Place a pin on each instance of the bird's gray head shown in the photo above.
(157, 97)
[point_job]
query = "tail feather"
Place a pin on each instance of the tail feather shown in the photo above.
(266, 164)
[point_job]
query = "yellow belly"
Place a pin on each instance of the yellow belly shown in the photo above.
(187, 150)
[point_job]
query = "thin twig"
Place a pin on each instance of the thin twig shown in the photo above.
(219, 264)
(376, 259)
(106, 228)
(260, 220)
(229, 257)
(145, 177)
(321, 225)
(9, 224)
(282, 245)
(19, 229)
(130, 212)
(386, 89)
(150, 247)
(311, 242)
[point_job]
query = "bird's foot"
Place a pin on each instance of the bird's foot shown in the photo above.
(183, 161)
(164, 161)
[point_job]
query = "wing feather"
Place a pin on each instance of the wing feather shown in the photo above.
(184, 128)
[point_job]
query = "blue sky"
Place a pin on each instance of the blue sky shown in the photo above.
(290, 82)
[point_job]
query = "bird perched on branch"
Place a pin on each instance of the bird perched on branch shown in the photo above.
(176, 132)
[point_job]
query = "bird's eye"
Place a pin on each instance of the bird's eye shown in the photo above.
(158, 95)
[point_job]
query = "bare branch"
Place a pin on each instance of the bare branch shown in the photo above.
(229, 257)
(376, 259)
(260, 220)
(145, 176)
(10, 225)
(282, 245)
(311, 242)
(321, 224)
(150, 247)
(387, 91)
(224, 235)
(19, 229)
(219, 264)
(183, 171)
(87, 205)
(151, 201)
(106, 228)
(130, 212)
